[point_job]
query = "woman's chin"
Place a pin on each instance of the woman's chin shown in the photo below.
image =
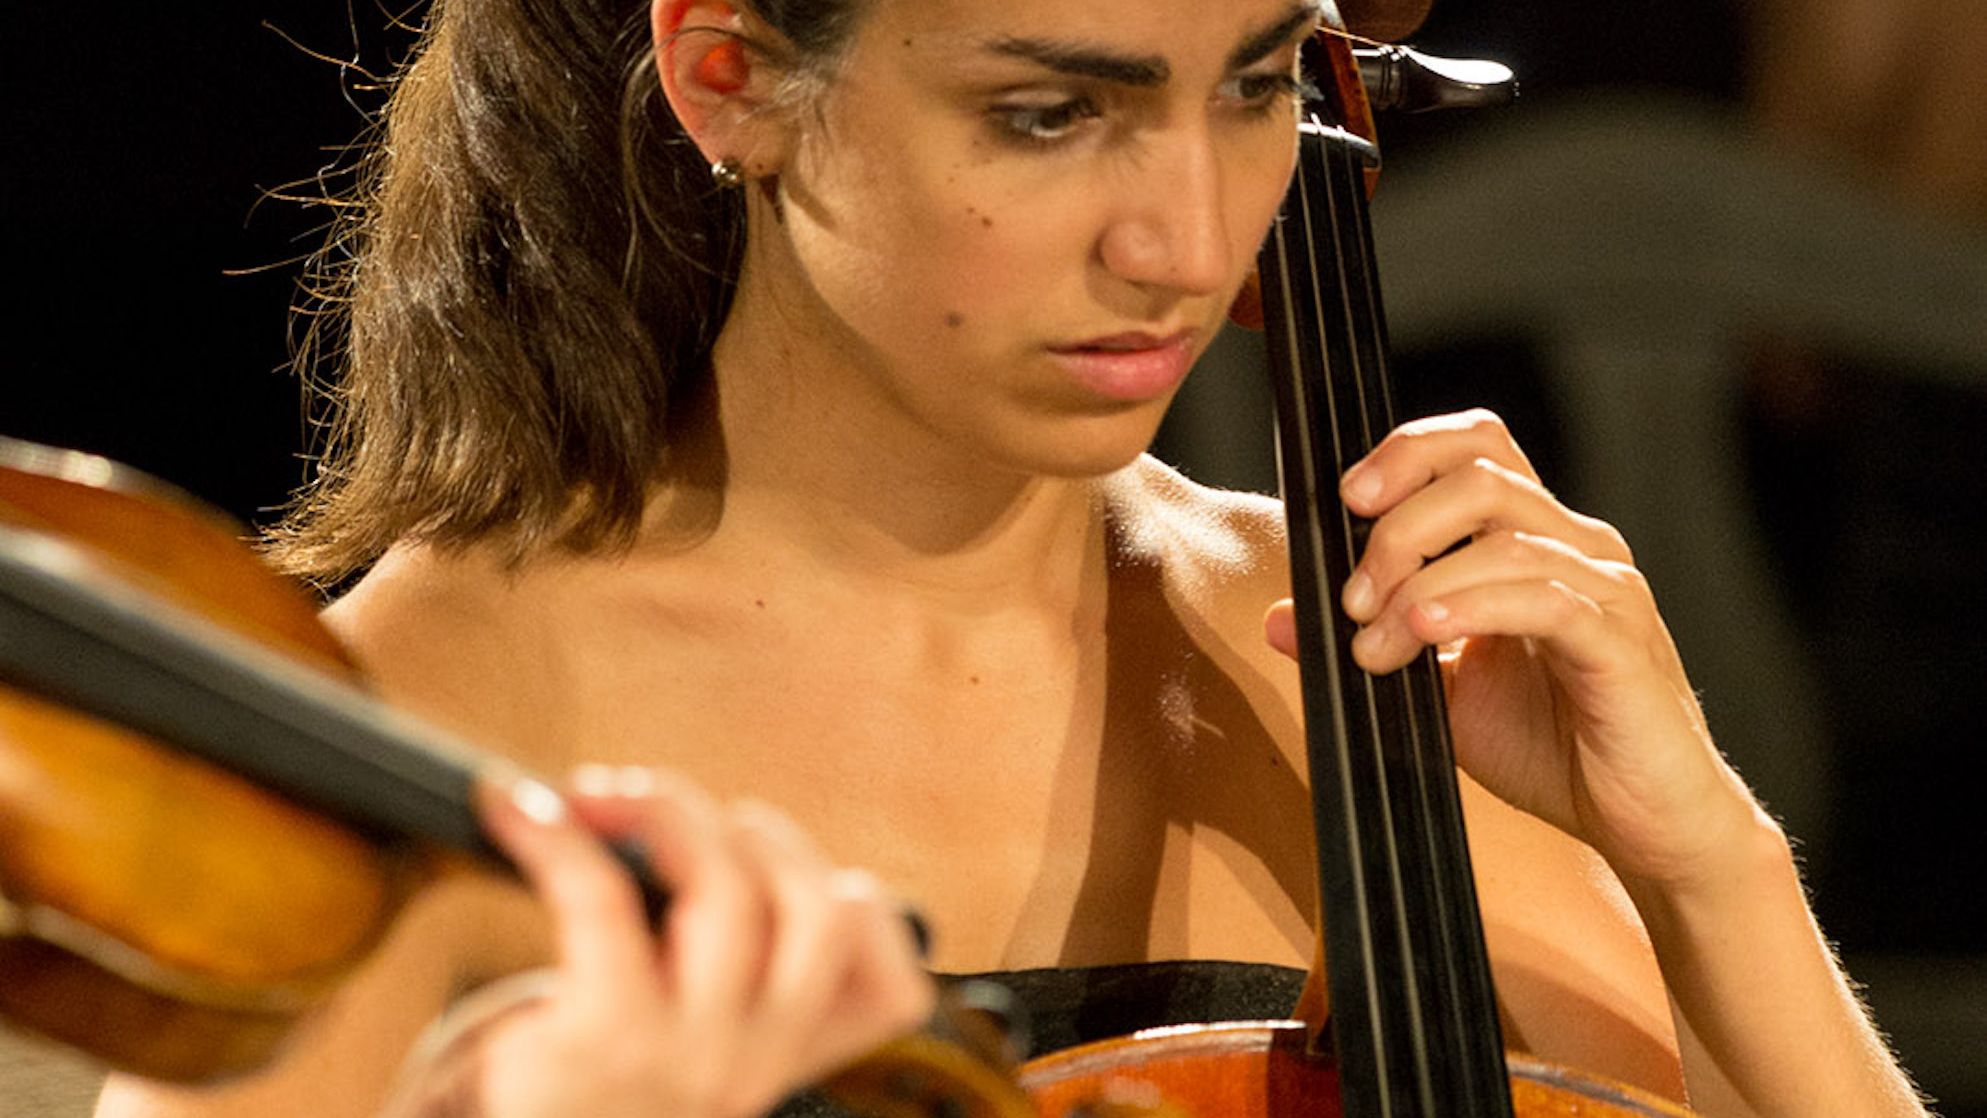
(1093, 447)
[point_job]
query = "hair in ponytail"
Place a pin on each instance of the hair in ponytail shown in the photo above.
(532, 266)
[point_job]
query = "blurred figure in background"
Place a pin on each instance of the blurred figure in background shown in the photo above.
(1868, 465)
(1898, 87)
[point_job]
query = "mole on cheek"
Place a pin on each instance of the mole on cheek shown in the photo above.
(954, 319)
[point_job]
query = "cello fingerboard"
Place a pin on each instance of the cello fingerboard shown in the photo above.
(1413, 1012)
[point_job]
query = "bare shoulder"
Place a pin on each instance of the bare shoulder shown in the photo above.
(1220, 560)
(417, 599)
(458, 639)
(1216, 547)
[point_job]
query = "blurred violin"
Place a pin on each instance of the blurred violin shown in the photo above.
(206, 824)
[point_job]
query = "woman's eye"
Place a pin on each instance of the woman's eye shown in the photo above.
(1263, 91)
(1043, 124)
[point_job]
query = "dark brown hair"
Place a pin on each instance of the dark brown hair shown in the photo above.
(533, 264)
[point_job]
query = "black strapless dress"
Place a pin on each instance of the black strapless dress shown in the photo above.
(1067, 1006)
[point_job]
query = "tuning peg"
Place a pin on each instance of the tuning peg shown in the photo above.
(1411, 82)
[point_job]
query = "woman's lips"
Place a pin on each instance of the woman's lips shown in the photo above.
(1132, 367)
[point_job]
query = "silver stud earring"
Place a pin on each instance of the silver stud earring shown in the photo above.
(728, 173)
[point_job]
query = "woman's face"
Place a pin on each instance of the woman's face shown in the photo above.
(1023, 219)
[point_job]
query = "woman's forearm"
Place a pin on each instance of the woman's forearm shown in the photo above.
(1767, 1022)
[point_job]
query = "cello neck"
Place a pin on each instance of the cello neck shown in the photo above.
(1413, 1013)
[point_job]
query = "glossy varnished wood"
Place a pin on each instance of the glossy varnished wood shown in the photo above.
(171, 918)
(1265, 1070)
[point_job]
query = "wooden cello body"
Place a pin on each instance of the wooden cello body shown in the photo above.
(1269, 1069)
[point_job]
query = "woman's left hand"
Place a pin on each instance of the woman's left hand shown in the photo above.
(771, 968)
(1566, 696)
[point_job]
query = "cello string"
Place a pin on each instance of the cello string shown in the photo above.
(1386, 919)
(1362, 946)
(1454, 948)
(1301, 427)
(1334, 152)
(1410, 830)
(1457, 937)
(1423, 755)
(1367, 855)
(1439, 1027)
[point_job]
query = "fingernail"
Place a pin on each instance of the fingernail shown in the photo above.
(595, 780)
(539, 803)
(1434, 611)
(606, 781)
(1359, 596)
(1361, 486)
(635, 781)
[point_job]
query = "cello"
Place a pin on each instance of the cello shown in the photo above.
(1413, 1029)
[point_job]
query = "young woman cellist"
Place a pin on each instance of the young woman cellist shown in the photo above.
(758, 389)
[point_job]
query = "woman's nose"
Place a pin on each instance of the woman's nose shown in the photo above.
(1170, 228)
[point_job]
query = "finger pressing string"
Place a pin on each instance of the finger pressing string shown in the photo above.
(597, 918)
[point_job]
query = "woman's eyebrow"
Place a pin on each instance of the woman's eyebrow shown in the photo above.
(1148, 70)
(1261, 45)
(1079, 60)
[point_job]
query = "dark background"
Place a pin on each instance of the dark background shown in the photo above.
(149, 276)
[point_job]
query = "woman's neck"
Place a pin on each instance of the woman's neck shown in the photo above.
(821, 471)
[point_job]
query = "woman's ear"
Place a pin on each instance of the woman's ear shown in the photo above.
(717, 83)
